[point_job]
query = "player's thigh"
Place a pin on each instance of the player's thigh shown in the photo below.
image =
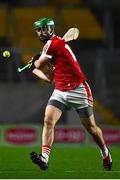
(52, 114)
(87, 117)
(89, 122)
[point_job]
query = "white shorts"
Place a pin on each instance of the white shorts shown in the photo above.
(77, 98)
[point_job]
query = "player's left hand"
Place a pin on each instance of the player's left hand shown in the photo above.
(32, 61)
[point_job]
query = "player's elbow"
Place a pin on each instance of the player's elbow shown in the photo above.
(37, 64)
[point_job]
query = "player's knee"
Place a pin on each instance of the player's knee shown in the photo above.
(48, 121)
(92, 130)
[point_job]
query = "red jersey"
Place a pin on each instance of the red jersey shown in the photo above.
(67, 73)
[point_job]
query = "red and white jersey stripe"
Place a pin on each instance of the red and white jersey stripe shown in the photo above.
(67, 73)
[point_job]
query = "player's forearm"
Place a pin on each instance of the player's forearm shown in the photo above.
(40, 62)
(41, 75)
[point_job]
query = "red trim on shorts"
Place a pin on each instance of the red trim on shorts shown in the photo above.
(90, 98)
(87, 89)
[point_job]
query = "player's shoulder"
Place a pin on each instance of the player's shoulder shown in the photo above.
(54, 42)
(58, 42)
(57, 39)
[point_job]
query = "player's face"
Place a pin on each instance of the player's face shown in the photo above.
(43, 33)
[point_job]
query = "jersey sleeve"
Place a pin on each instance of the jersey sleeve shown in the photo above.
(52, 47)
(49, 49)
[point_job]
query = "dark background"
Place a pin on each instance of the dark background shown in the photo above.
(22, 96)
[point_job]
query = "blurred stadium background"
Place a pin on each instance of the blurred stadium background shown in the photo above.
(23, 97)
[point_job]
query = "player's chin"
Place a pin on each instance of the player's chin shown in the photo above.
(42, 38)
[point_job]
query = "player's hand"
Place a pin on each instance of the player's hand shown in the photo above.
(31, 61)
(37, 64)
